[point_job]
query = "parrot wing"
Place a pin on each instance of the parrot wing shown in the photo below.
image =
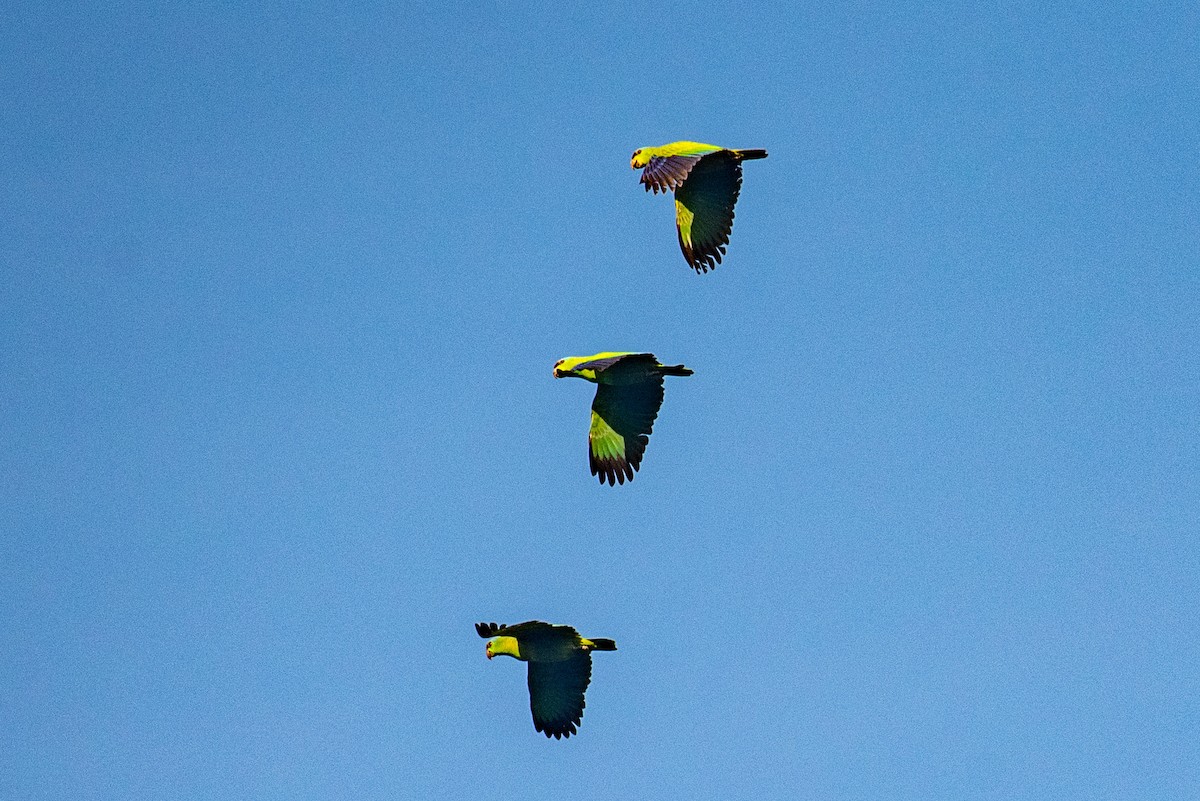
(704, 209)
(667, 173)
(556, 694)
(622, 418)
(530, 630)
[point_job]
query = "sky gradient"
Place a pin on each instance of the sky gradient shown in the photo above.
(282, 289)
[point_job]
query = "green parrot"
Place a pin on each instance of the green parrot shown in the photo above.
(706, 180)
(629, 393)
(560, 669)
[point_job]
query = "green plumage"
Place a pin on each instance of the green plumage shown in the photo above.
(629, 394)
(560, 669)
(706, 180)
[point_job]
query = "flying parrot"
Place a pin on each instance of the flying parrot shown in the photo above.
(629, 392)
(706, 180)
(560, 669)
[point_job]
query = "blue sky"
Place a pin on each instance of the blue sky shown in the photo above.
(282, 289)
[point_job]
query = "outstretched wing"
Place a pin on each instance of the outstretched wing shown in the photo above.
(600, 365)
(622, 418)
(624, 368)
(666, 173)
(556, 694)
(528, 629)
(704, 209)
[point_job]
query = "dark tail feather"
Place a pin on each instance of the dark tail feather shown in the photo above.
(747, 155)
(673, 369)
(603, 645)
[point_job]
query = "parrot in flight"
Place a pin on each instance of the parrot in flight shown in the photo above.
(706, 180)
(629, 392)
(560, 669)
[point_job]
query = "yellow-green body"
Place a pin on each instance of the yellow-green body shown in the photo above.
(642, 156)
(554, 650)
(567, 367)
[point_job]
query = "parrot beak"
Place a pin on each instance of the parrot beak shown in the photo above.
(487, 649)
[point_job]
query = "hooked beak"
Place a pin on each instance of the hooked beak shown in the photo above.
(488, 650)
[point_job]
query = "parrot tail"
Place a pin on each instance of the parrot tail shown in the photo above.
(747, 155)
(674, 369)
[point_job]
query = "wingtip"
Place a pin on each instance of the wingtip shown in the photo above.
(613, 471)
(556, 733)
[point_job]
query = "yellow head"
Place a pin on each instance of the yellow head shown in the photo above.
(640, 158)
(565, 368)
(503, 646)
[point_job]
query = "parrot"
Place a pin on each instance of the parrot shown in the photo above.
(560, 669)
(706, 180)
(629, 393)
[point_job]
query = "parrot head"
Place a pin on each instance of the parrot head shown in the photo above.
(639, 159)
(503, 646)
(566, 368)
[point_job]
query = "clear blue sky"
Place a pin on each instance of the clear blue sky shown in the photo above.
(281, 291)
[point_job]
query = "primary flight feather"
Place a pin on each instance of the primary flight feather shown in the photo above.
(560, 669)
(629, 393)
(706, 180)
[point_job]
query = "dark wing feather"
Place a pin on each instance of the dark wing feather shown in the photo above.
(487, 630)
(666, 173)
(629, 367)
(530, 629)
(628, 411)
(600, 365)
(709, 194)
(556, 694)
